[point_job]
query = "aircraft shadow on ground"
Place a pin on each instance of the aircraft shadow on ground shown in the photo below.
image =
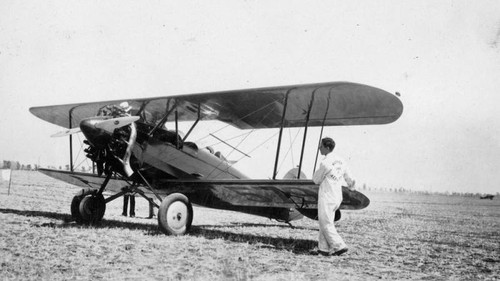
(69, 222)
(280, 225)
(298, 246)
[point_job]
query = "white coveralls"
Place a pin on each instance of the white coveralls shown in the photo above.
(330, 176)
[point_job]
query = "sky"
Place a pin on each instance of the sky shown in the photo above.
(442, 56)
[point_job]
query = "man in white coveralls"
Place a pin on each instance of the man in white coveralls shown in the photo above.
(330, 176)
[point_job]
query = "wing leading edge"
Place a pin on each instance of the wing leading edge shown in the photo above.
(329, 104)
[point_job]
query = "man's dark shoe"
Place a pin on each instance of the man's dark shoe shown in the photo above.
(340, 252)
(314, 252)
(324, 253)
(337, 253)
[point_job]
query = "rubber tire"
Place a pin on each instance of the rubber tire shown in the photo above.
(75, 203)
(181, 217)
(80, 206)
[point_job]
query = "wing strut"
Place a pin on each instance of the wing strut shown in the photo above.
(148, 185)
(281, 133)
(71, 139)
(322, 127)
(176, 127)
(194, 125)
(305, 132)
(70, 143)
(163, 120)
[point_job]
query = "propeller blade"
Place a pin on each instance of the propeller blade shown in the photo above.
(111, 124)
(66, 133)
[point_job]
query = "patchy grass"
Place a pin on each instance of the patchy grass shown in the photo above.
(399, 236)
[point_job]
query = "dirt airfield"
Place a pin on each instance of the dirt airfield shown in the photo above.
(399, 236)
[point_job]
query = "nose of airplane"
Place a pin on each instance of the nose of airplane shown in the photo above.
(96, 136)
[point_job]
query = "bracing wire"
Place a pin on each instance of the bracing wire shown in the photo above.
(78, 155)
(258, 146)
(289, 150)
(241, 141)
(291, 143)
(249, 114)
(261, 119)
(80, 150)
(246, 135)
(255, 148)
(229, 154)
(229, 139)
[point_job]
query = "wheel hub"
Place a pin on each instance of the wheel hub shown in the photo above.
(177, 215)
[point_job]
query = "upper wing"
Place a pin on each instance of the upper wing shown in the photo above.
(329, 104)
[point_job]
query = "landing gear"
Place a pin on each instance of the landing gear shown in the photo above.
(88, 206)
(175, 214)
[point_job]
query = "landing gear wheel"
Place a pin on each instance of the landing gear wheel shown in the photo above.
(88, 207)
(175, 214)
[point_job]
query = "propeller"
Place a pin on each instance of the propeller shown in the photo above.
(110, 125)
(66, 133)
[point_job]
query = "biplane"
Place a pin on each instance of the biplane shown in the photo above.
(133, 151)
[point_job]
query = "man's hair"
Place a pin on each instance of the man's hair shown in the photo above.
(328, 143)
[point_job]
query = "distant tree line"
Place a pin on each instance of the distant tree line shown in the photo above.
(15, 165)
(424, 192)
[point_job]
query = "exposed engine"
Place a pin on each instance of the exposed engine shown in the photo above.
(110, 150)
